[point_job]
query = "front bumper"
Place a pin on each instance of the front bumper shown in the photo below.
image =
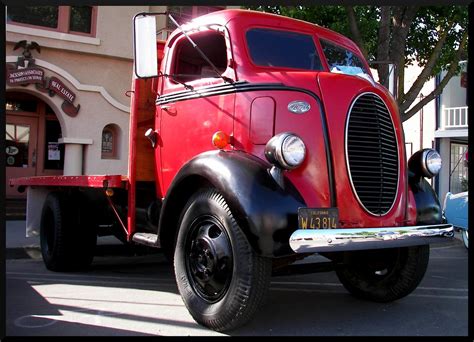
(337, 240)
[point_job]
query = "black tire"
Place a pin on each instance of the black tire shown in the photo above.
(384, 275)
(67, 235)
(220, 278)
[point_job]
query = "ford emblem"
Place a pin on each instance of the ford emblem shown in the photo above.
(299, 107)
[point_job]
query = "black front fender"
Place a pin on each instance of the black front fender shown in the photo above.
(266, 213)
(428, 208)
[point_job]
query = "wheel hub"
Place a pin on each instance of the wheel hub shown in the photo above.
(209, 258)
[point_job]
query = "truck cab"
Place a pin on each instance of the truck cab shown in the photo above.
(255, 141)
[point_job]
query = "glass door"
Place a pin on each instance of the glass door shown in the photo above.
(21, 150)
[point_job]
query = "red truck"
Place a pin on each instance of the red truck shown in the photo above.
(255, 141)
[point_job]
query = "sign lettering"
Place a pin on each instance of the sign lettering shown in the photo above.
(59, 88)
(25, 76)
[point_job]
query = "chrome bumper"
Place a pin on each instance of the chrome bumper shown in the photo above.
(336, 240)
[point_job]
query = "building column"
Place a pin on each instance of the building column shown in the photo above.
(74, 155)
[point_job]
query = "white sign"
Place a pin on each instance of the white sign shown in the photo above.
(53, 151)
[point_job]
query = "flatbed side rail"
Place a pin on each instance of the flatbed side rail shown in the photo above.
(95, 181)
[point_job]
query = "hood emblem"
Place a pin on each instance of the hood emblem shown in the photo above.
(298, 107)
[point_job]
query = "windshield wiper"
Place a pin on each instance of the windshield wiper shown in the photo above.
(174, 78)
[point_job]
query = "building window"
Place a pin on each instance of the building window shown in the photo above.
(17, 141)
(67, 19)
(110, 142)
(459, 176)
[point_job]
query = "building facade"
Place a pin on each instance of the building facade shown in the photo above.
(69, 72)
(452, 134)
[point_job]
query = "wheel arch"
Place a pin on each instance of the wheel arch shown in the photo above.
(266, 213)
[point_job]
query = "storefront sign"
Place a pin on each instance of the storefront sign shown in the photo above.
(59, 88)
(53, 151)
(51, 85)
(25, 76)
(12, 150)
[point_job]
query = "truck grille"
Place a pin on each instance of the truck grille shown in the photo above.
(372, 154)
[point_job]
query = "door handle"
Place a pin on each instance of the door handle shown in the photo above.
(169, 109)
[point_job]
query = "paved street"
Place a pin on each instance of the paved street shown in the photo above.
(137, 295)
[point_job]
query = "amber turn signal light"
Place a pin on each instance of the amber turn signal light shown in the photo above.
(220, 140)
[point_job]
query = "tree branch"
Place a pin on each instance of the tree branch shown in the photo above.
(411, 95)
(355, 30)
(438, 90)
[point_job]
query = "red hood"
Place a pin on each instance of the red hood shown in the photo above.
(338, 93)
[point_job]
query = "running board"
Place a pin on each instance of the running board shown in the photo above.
(147, 239)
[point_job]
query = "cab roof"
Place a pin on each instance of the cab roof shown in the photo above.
(245, 18)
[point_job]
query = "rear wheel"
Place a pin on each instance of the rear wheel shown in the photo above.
(67, 235)
(384, 275)
(220, 278)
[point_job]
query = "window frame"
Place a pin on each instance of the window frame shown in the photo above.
(64, 16)
(177, 44)
(343, 47)
(109, 155)
(283, 29)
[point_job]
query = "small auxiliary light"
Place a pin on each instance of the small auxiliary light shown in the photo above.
(109, 192)
(220, 140)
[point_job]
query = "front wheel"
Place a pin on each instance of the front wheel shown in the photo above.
(220, 278)
(384, 275)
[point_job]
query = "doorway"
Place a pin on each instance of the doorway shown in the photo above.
(32, 131)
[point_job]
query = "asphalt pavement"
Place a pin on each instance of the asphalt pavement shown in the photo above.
(138, 296)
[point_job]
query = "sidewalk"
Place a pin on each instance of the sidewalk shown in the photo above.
(18, 246)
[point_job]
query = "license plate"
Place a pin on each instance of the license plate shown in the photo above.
(318, 218)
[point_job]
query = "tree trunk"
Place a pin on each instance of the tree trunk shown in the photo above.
(383, 45)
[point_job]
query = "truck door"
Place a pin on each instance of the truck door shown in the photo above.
(192, 105)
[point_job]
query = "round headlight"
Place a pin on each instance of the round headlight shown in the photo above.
(432, 161)
(285, 150)
(425, 163)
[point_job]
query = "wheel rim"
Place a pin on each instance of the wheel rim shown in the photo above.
(209, 261)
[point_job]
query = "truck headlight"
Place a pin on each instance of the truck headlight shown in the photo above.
(432, 162)
(285, 150)
(426, 162)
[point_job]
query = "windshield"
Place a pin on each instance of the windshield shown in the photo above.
(274, 48)
(342, 60)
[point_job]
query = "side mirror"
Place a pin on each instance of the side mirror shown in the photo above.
(144, 46)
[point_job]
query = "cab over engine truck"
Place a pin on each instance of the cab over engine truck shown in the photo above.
(255, 140)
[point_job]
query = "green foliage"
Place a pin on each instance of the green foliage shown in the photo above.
(427, 24)
(423, 34)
